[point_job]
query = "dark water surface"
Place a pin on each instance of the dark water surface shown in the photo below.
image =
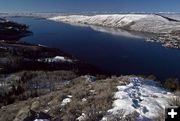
(113, 53)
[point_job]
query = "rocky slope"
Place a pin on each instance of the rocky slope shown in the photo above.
(86, 98)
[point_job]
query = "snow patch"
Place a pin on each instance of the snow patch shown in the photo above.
(84, 100)
(47, 110)
(82, 117)
(55, 59)
(41, 120)
(66, 100)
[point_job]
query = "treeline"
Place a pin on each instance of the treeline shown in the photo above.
(22, 86)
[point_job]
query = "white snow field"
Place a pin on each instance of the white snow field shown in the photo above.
(143, 96)
(137, 22)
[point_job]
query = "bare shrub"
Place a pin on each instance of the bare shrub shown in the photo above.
(72, 111)
(93, 113)
(120, 116)
(161, 116)
(151, 77)
(175, 101)
(131, 117)
(116, 117)
(172, 84)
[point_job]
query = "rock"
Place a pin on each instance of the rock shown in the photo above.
(35, 105)
(22, 114)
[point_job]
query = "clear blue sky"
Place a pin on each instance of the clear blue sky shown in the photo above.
(89, 5)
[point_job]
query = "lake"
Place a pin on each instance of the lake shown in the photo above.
(115, 53)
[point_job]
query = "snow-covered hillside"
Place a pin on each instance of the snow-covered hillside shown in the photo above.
(137, 22)
(157, 28)
(143, 96)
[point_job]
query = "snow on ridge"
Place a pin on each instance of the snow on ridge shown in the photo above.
(137, 22)
(55, 59)
(143, 96)
(100, 19)
(82, 117)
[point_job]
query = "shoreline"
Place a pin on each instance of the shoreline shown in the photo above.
(17, 55)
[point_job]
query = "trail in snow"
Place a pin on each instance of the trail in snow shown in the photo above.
(143, 96)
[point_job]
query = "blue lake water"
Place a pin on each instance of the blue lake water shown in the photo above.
(113, 53)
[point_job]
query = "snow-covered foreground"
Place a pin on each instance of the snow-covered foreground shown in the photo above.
(137, 22)
(143, 96)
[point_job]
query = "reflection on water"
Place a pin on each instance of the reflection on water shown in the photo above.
(114, 31)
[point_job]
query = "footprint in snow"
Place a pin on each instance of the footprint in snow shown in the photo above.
(135, 103)
(145, 110)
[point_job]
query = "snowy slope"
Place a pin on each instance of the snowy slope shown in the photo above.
(143, 96)
(137, 22)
